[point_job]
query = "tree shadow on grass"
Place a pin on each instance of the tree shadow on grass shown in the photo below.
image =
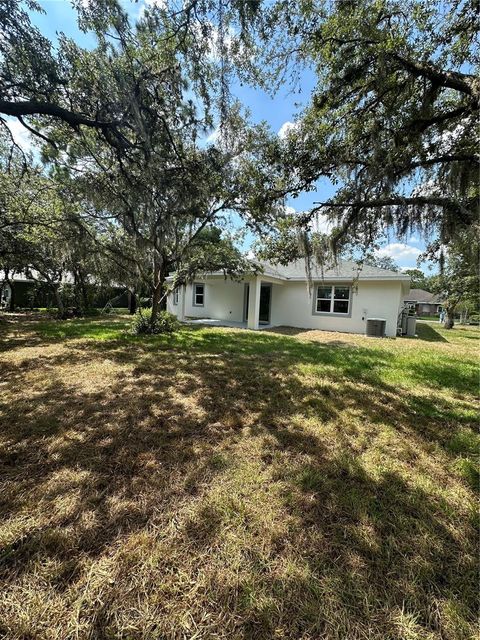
(147, 454)
(429, 333)
(376, 548)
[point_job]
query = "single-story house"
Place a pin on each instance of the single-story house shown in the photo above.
(342, 298)
(23, 287)
(31, 293)
(423, 302)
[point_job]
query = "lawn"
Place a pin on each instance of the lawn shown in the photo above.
(221, 483)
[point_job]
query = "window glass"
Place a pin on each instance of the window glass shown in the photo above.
(175, 296)
(324, 292)
(199, 295)
(333, 299)
(341, 293)
(324, 305)
(340, 306)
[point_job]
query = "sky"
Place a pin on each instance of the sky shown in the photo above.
(278, 111)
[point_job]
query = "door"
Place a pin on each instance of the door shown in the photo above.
(246, 296)
(265, 303)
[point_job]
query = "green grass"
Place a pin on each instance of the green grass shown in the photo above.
(220, 483)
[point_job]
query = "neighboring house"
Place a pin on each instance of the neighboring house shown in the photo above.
(33, 293)
(423, 302)
(341, 298)
(23, 287)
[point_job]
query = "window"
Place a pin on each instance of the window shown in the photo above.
(333, 299)
(198, 294)
(175, 296)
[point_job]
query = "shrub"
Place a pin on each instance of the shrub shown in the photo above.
(164, 323)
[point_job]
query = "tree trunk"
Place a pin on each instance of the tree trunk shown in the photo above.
(157, 292)
(11, 304)
(60, 305)
(159, 276)
(86, 301)
(449, 320)
(76, 289)
(132, 302)
(81, 293)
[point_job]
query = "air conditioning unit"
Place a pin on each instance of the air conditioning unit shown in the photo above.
(411, 326)
(376, 327)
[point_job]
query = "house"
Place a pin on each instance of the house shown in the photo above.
(23, 288)
(34, 292)
(423, 302)
(341, 298)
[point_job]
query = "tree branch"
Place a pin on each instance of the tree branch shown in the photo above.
(35, 107)
(462, 82)
(386, 202)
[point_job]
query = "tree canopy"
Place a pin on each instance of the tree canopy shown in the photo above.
(458, 282)
(391, 123)
(392, 119)
(129, 118)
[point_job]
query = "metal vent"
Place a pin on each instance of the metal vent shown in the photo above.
(376, 327)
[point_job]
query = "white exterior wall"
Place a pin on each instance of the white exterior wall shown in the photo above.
(292, 306)
(223, 299)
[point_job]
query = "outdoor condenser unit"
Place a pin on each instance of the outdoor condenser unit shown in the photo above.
(411, 326)
(376, 327)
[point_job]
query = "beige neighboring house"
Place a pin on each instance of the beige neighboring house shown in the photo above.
(424, 302)
(341, 298)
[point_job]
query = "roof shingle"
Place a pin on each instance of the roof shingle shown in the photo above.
(344, 269)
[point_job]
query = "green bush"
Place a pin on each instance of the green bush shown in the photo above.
(164, 323)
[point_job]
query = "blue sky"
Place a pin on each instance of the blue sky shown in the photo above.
(277, 112)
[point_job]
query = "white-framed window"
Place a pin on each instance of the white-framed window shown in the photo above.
(333, 299)
(198, 294)
(175, 296)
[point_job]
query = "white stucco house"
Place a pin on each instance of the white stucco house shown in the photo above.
(341, 299)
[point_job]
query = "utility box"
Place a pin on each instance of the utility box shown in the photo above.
(411, 326)
(376, 327)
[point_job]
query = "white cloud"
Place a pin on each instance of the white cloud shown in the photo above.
(318, 224)
(149, 4)
(21, 136)
(213, 136)
(321, 224)
(449, 139)
(399, 251)
(286, 129)
(215, 43)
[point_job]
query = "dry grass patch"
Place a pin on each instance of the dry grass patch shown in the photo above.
(225, 484)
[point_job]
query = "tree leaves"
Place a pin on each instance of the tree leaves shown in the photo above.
(392, 118)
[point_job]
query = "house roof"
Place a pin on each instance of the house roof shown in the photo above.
(67, 278)
(343, 270)
(18, 277)
(422, 296)
(346, 270)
